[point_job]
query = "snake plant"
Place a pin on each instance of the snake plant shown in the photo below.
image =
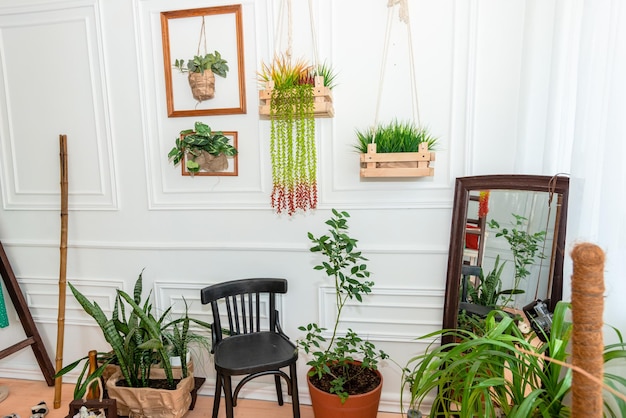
(136, 336)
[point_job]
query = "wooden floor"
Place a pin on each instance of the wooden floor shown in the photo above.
(25, 393)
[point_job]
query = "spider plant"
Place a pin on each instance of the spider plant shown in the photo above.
(502, 372)
(395, 136)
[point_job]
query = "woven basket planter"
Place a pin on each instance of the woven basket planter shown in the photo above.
(202, 85)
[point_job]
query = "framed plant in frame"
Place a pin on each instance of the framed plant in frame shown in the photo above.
(210, 165)
(203, 59)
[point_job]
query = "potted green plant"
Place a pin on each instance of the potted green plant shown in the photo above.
(502, 372)
(136, 337)
(396, 149)
(296, 92)
(179, 340)
(205, 149)
(202, 70)
(343, 379)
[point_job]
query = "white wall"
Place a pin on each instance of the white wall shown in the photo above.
(496, 80)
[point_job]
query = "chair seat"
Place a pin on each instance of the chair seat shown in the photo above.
(272, 351)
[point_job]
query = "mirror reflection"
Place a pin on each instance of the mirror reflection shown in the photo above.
(512, 240)
(506, 248)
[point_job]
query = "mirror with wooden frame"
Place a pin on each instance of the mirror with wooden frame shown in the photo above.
(511, 227)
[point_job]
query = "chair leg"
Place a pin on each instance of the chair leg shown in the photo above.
(279, 390)
(218, 394)
(228, 396)
(295, 399)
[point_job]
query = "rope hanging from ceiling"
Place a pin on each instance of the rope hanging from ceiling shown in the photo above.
(403, 13)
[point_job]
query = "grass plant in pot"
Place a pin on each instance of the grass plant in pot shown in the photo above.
(396, 149)
(343, 379)
(204, 149)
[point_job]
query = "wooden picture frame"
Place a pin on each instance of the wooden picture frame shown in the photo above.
(183, 38)
(233, 162)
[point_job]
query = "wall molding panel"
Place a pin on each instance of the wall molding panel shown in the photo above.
(42, 297)
(388, 314)
(67, 36)
(174, 294)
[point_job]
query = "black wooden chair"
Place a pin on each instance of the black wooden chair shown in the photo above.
(252, 344)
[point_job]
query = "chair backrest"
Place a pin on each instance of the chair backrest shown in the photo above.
(466, 272)
(241, 301)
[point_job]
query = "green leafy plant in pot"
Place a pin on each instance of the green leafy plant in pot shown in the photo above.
(202, 70)
(504, 372)
(136, 338)
(205, 149)
(343, 367)
(179, 340)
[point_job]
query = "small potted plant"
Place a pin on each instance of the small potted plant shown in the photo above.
(343, 379)
(205, 149)
(396, 149)
(179, 339)
(202, 70)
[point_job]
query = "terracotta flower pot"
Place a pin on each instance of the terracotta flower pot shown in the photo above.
(328, 405)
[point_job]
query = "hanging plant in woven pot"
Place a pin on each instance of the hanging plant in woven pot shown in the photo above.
(202, 70)
(292, 136)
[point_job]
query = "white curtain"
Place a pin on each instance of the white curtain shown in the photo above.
(598, 159)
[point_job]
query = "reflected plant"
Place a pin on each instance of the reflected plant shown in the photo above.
(524, 246)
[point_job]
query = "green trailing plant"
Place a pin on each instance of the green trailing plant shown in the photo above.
(194, 142)
(525, 247)
(335, 357)
(503, 373)
(395, 136)
(293, 150)
(292, 132)
(200, 63)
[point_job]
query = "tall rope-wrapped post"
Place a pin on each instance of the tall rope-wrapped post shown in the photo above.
(62, 271)
(587, 342)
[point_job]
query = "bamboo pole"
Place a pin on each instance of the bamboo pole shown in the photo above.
(62, 271)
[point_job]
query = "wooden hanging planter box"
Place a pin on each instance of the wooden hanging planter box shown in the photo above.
(322, 100)
(397, 164)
